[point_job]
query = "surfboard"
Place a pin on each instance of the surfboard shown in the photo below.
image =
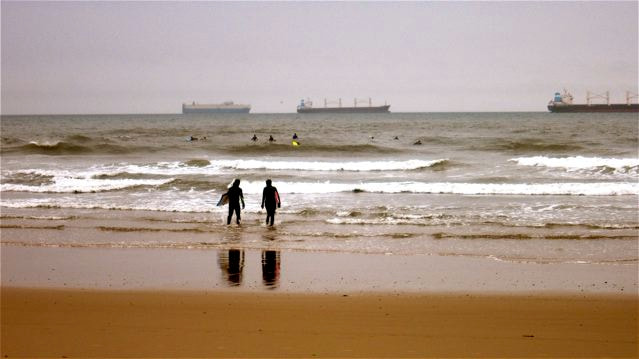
(223, 200)
(295, 143)
(277, 197)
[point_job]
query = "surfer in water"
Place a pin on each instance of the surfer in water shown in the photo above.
(235, 196)
(254, 139)
(270, 199)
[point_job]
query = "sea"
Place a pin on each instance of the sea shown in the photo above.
(519, 187)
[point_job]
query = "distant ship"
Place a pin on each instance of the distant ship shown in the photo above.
(225, 107)
(307, 107)
(563, 103)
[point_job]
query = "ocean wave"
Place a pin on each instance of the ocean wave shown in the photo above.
(269, 148)
(574, 189)
(197, 163)
(358, 166)
(191, 185)
(217, 167)
(72, 145)
(16, 226)
(27, 178)
(530, 145)
(522, 236)
(67, 148)
(597, 164)
(40, 218)
(117, 177)
(81, 185)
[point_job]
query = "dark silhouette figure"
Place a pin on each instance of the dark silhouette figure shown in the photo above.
(295, 136)
(271, 139)
(235, 196)
(271, 268)
(270, 200)
(254, 139)
(232, 265)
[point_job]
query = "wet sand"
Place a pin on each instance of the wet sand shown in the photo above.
(236, 269)
(229, 302)
(91, 323)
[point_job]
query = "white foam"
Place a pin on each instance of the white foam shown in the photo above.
(161, 203)
(217, 166)
(74, 184)
(622, 165)
(45, 143)
(329, 166)
(573, 188)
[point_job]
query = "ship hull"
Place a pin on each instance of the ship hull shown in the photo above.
(227, 107)
(371, 109)
(215, 110)
(618, 107)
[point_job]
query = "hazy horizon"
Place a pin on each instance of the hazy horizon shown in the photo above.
(150, 57)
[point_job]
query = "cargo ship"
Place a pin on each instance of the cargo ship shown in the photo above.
(225, 107)
(307, 107)
(564, 103)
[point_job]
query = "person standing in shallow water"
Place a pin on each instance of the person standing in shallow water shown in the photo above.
(270, 200)
(235, 196)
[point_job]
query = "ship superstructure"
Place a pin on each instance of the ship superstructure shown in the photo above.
(563, 102)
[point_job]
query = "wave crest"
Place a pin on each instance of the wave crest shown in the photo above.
(567, 189)
(252, 149)
(531, 145)
(81, 185)
(596, 164)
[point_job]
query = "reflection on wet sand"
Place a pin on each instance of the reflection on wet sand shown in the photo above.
(271, 268)
(232, 265)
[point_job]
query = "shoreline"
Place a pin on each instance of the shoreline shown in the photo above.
(73, 323)
(289, 271)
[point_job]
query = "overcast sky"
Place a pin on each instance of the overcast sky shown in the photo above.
(149, 57)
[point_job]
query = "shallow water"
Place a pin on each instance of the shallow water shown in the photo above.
(510, 186)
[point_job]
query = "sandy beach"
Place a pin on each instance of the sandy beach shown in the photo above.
(80, 302)
(77, 323)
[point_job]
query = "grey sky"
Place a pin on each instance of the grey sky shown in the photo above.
(149, 57)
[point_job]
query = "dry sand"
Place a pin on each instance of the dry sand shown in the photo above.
(81, 323)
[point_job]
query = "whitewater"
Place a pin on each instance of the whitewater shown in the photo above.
(480, 184)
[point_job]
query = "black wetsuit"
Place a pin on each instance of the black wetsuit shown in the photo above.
(235, 195)
(270, 202)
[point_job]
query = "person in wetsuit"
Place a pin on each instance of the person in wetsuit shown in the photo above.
(270, 199)
(235, 196)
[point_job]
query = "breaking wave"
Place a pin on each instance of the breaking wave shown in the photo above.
(598, 164)
(81, 185)
(68, 148)
(574, 188)
(70, 145)
(216, 167)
